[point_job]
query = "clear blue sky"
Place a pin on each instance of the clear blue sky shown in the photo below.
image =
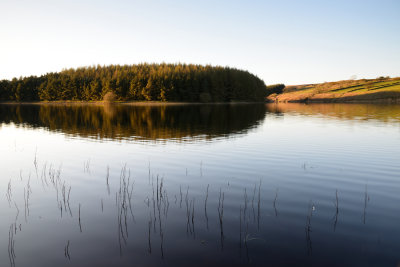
(292, 42)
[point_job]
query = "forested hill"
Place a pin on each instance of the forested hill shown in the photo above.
(144, 82)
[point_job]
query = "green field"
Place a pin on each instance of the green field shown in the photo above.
(381, 89)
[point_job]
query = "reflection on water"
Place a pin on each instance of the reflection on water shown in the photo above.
(147, 122)
(176, 122)
(312, 185)
(384, 113)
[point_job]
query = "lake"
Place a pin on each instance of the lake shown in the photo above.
(195, 185)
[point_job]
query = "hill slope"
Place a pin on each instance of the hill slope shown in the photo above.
(365, 90)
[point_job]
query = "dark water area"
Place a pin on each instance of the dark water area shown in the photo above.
(195, 185)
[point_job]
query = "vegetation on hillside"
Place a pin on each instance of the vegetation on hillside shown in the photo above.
(382, 88)
(275, 89)
(144, 82)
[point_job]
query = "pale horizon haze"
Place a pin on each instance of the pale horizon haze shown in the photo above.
(291, 42)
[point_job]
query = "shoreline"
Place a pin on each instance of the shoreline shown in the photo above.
(131, 103)
(339, 101)
(343, 100)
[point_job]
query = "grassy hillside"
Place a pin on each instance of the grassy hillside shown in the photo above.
(365, 90)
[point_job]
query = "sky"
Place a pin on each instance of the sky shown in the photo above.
(290, 42)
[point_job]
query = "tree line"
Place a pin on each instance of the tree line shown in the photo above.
(142, 82)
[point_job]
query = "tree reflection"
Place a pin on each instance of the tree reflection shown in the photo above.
(149, 122)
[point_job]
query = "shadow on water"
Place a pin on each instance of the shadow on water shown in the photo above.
(138, 122)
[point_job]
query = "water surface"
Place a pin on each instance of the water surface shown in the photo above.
(195, 185)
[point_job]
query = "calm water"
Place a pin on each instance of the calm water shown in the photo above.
(195, 185)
